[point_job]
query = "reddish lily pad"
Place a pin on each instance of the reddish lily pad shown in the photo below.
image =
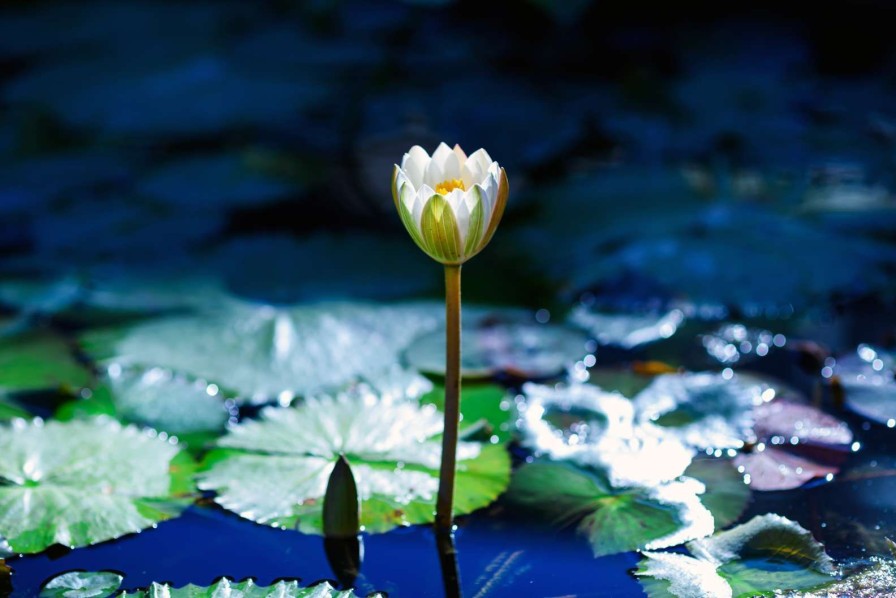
(777, 469)
(787, 431)
(807, 424)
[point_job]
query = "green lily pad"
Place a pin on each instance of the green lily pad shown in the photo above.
(726, 494)
(485, 410)
(82, 482)
(613, 519)
(245, 589)
(264, 352)
(169, 402)
(39, 361)
(82, 584)
(192, 411)
(274, 471)
(766, 554)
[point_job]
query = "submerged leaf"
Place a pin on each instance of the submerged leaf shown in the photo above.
(82, 482)
(764, 555)
(614, 519)
(274, 471)
(266, 352)
(82, 584)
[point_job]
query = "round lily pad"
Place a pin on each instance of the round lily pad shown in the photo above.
(868, 379)
(766, 555)
(503, 343)
(248, 589)
(726, 494)
(627, 330)
(275, 470)
(783, 427)
(261, 352)
(486, 411)
(613, 519)
(82, 482)
(82, 584)
(190, 410)
(773, 468)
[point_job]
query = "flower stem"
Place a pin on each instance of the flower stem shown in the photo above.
(445, 501)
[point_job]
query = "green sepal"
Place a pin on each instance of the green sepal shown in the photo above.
(440, 233)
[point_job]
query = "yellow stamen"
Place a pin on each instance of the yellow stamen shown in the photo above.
(446, 187)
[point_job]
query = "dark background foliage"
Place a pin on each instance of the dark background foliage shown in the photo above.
(148, 134)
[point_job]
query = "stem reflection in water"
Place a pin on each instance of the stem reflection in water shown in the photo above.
(448, 563)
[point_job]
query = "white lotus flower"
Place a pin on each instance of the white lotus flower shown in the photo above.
(450, 203)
